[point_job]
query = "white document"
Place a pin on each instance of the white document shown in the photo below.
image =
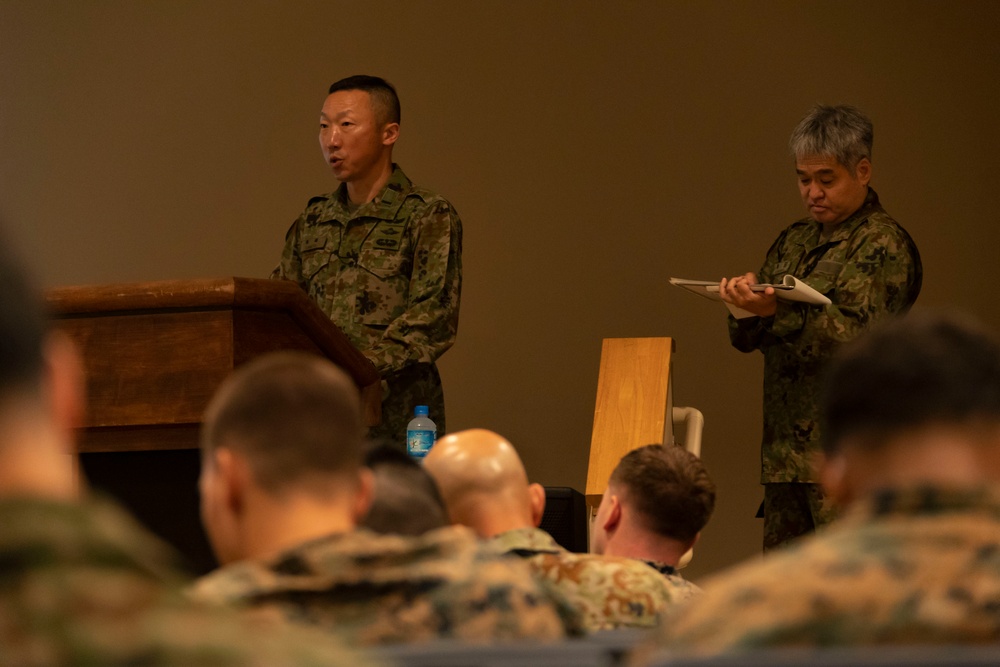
(790, 289)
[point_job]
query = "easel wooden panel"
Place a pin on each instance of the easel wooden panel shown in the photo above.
(633, 405)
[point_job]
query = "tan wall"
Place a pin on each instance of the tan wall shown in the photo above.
(593, 150)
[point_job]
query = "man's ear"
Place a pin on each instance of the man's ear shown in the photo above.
(613, 518)
(864, 170)
(365, 495)
(536, 496)
(232, 478)
(223, 487)
(64, 382)
(833, 478)
(390, 133)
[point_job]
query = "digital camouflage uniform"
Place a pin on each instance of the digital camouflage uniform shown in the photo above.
(609, 592)
(870, 269)
(385, 589)
(82, 584)
(914, 566)
(389, 274)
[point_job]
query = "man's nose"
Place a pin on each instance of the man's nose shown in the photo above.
(815, 192)
(333, 138)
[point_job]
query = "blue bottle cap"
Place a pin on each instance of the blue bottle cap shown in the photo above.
(420, 411)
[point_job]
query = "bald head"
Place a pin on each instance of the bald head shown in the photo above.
(483, 482)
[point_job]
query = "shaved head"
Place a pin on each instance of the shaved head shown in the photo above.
(483, 481)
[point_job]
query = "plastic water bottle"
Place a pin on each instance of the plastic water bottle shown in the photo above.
(421, 433)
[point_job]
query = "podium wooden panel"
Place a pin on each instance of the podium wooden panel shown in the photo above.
(633, 407)
(154, 354)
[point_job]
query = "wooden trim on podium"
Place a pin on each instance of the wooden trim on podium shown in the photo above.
(633, 405)
(155, 352)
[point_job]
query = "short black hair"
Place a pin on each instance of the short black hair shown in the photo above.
(912, 371)
(23, 324)
(406, 500)
(669, 487)
(292, 415)
(385, 101)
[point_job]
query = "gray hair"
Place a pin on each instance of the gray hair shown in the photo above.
(841, 132)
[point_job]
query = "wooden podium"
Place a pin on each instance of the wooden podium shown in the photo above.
(154, 354)
(633, 408)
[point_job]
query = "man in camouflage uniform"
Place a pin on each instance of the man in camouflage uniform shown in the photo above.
(381, 256)
(82, 583)
(912, 436)
(485, 487)
(282, 492)
(848, 249)
(658, 500)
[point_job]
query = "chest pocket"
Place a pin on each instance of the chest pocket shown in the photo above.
(824, 277)
(315, 253)
(382, 253)
(382, 287)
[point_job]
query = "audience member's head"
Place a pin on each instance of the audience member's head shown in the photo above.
(657, 502)
(282, 450)
(405, 501)
(916, 401)
(41, 391)
(484, 484)
(911, 426)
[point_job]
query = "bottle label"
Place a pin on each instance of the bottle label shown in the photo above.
(418, 443)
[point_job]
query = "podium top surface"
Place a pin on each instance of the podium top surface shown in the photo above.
(251, 294)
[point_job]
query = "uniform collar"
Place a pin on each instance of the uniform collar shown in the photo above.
(526, 539)
(384, 206)
(929, 500)
(662, 568)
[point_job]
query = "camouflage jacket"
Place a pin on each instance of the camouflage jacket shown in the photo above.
(609, 592)
(870, 269)
(909, 566)
(82, 584)
(389, 274)
(383, 589)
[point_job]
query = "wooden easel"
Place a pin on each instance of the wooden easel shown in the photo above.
(634, 405)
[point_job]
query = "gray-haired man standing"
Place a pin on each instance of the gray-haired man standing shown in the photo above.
(848, 249)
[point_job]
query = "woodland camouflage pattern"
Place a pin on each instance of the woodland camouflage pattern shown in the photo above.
(793, 509)
(389, 274)
(84, 585)
(870, 269)
(914, 566)
(384, 589)
(609, 592)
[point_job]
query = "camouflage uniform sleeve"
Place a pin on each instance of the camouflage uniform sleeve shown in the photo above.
(428, 326)
(752, 333)
(290, 265)
(874, 283)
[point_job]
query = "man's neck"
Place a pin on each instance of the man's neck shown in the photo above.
(490, 524)
(365, 189)
(270, 528)
(643, 546)
(35, 459)
(827, 229)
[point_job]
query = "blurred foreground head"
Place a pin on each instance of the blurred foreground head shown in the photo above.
(282, 449)
(916, 401)
(41, 390)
